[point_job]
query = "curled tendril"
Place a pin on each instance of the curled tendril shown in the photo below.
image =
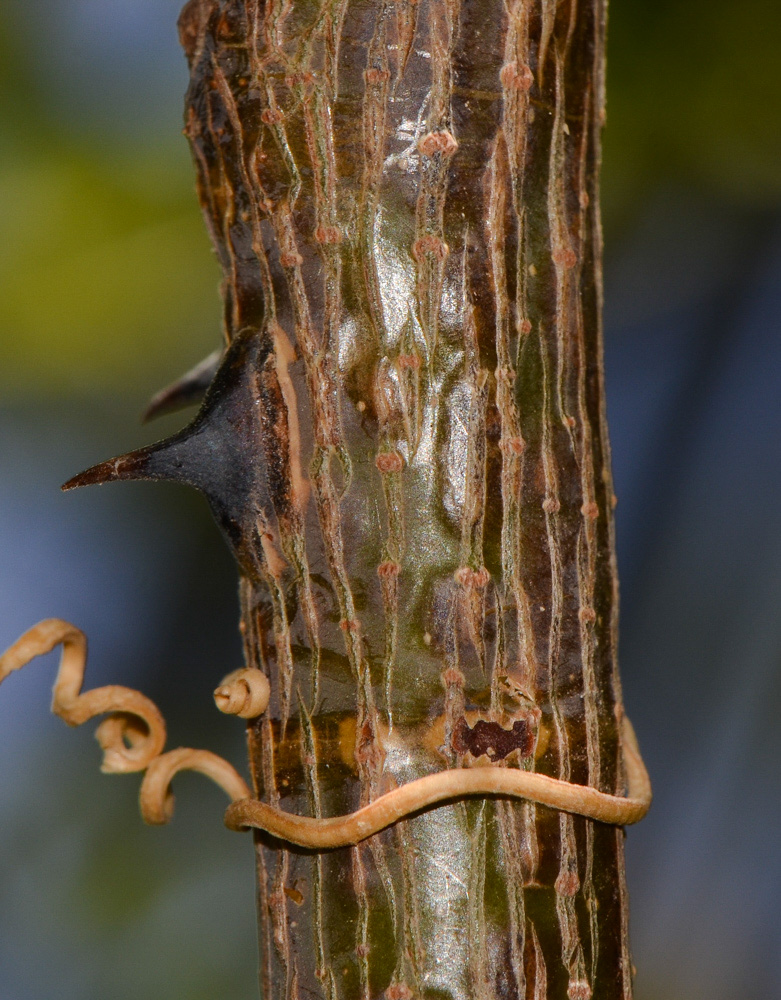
(157, 800)
(133, 735)
(134, 732)
(448, 786)
(244, 693)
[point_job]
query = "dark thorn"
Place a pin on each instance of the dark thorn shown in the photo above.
(217, 453)
(189, 389)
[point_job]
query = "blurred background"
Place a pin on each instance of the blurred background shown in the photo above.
(108, 290)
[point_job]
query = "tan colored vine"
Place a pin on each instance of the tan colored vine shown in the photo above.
(448, 786)
(133, 737)
(245, 693)
(156, 799)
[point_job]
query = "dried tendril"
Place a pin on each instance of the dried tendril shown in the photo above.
(133, 737)
(449, 786)
(134, 732)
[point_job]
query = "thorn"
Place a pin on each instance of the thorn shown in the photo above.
(216, 453)
(185, 391)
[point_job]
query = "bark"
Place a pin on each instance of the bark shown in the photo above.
(403, 196)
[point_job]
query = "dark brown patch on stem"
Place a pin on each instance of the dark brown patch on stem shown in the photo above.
(493, 740)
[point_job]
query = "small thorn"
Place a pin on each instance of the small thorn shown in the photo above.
(185, 391)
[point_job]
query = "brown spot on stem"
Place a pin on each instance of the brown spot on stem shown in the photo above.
(443, 143)
(368, 750)
(376, 75)
(398, 991)
(471, 578)
(515, 77)
(565, 256)
(274, 561)
(568, 883)
(294, 79)
(389, 461)
(328, 234)
(430, 245)
(290, 259)
(491, 739)
(452, 677)
(230, 27)
(512, 445)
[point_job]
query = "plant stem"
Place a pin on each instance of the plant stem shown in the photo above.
(404, 199)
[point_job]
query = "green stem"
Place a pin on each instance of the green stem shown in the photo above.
(408, 193)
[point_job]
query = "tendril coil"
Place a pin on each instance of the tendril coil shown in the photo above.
(134, 732)
(133, 736)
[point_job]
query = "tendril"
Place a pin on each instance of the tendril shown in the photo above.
(133, 735)
(156, 799)
(244, 693)
(134, 732)
(449, 786)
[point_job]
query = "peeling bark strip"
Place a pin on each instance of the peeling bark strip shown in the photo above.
(406, 191)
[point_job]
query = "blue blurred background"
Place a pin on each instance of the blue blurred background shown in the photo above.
(108, 290)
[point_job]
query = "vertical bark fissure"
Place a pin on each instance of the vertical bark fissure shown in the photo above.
(403, 196)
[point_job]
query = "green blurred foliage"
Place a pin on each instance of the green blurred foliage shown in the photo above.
(106, 279)
(694, 98)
